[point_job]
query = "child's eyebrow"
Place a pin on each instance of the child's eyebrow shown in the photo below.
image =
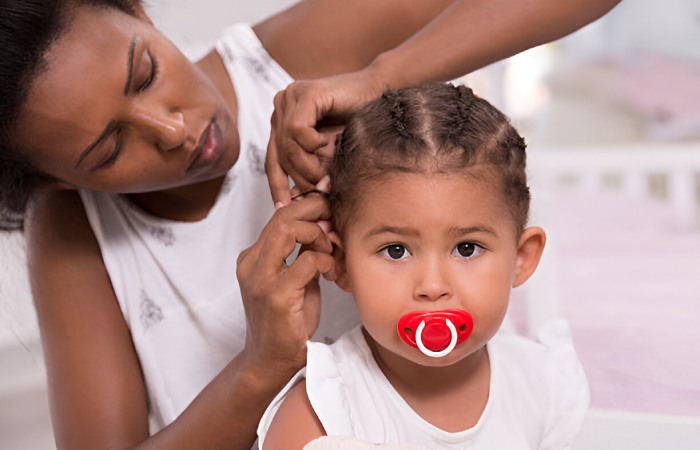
(394, 230)
(457, 231)
(325, 195)
(474, 229)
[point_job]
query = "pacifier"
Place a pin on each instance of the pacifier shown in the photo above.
(435, 333)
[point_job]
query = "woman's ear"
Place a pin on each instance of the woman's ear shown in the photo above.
(339, 258)
(530, 247)
(56, 185)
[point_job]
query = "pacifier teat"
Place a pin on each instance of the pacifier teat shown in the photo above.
(435, 333)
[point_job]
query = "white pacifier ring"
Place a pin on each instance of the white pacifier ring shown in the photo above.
(426, 351)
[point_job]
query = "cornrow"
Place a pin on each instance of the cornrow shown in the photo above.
(436, 128)
(465, 101)
(460, 123)
(397, 111)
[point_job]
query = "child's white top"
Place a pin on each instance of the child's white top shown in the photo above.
(176, 281)
(538, 396)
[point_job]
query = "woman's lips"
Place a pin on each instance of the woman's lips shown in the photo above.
(210, 147)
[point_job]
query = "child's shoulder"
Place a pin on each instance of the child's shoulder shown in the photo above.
(553, 340)
(551, 353)
(544, 371)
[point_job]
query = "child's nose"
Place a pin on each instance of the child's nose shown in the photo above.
(432, 283)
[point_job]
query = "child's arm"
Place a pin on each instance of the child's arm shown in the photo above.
(295, 424)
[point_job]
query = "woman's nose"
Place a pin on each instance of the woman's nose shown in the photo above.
(166, 128)
(432, 283)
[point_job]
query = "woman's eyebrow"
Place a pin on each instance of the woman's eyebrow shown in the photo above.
(130, 70)
(92, 146)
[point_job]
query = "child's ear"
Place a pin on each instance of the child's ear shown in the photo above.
(339, 258)
(530, 248)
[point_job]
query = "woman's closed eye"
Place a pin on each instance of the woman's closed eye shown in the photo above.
(112, 156)
(395, 252)
(467, 250)
(149, 74)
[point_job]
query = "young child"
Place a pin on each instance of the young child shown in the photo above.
(430, 204)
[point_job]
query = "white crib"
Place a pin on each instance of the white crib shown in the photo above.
(661, 172)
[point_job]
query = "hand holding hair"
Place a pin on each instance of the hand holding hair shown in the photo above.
(282, 301)
(300, 147)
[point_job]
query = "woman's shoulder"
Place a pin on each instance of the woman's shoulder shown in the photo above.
(345, 36)
(51, 213)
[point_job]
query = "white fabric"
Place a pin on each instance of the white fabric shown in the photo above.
(346, 443)
(537, 400)
(175, 281)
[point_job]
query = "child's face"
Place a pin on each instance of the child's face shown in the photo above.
(429, 243)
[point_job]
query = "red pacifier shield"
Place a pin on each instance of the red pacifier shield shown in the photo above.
(435, 333)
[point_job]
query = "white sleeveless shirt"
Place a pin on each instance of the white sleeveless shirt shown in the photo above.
(538, 396)
(176, 281)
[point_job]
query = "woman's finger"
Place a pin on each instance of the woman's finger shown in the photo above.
(295, 224)
(293, 141)
(277, 178)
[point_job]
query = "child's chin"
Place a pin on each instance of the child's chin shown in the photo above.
(417, 357)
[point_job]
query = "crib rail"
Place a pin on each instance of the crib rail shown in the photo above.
(668, 171)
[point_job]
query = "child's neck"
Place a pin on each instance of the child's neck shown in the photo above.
(451, 398)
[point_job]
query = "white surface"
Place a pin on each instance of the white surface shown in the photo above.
(194, 25)
(616, 430)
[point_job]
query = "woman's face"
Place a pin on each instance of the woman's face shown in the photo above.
(120, 109)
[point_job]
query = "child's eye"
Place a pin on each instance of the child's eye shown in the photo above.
(467, 249)
(395, 251)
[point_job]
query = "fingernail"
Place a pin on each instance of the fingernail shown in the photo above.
(324, 184)
(278, 205)
(325, 225)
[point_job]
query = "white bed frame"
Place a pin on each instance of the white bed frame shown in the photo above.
(666, 171)
(669, 172)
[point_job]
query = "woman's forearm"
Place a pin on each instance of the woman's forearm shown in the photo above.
(471, 34)
(227, 412)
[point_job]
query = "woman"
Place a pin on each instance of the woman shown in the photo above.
(145, 174)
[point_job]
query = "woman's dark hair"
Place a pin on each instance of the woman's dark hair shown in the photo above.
(437, 128)
(27, 30)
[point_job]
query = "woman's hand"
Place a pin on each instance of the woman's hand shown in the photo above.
(306, 119)
(282, 301)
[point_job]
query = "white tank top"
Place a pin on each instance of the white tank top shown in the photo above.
(538, 396)
(176, 281)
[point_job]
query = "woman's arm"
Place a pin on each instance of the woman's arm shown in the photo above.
(97, 393)
(295, 424)
(455, 39)
(471, 34)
